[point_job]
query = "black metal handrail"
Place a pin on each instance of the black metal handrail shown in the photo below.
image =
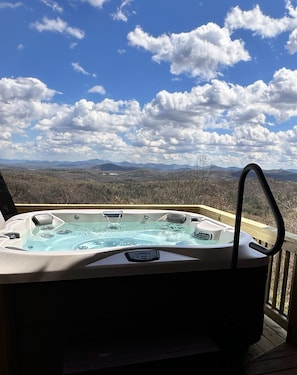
(275, 210)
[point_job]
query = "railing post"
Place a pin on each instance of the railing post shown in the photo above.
(292, 316)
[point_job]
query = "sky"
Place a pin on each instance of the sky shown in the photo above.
(159, 81)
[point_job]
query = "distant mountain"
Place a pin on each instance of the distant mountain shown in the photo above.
(276, 174)
(109, 166)
(85, 164)
(281, 174)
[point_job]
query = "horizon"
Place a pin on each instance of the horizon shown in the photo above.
(145, 82)
(125, 164)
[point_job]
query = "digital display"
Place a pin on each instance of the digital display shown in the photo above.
(144, 255)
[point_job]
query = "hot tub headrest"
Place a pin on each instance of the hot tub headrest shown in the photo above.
(42, 219)
(176, 218)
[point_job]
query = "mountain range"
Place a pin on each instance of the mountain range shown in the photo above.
(109, 166)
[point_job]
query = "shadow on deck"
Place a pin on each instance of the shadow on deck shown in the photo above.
(271, 355)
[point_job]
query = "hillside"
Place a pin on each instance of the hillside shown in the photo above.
(215, 188)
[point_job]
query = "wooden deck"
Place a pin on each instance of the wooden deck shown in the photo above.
(273, 336)
(271, 355)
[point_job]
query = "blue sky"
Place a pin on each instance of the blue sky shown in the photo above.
(164, 81)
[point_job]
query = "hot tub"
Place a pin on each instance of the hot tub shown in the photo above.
(81, 276)
(71, 244)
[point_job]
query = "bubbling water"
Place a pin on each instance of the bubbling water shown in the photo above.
(82, 236)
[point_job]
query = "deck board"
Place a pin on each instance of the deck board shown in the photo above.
(271, 355)
(279, 361)
(273, 335)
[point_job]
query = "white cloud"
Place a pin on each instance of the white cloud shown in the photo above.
(291, 45)
(265, 26)
(258, 22)
(58, 26)
(72, 45)
(106, 117)
(218, 118)
(199, 53)
(122, 13)
(97, 89)
(6, 4)
(79, 69)
(23, 101)
(53, 5)
(96, 3)
(24, 88)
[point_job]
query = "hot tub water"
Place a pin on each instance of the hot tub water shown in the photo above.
(82, 236)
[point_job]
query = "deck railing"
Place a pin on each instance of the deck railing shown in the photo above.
(281, 291)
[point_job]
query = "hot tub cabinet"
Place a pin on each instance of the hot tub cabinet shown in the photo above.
(50, 318)
(56, 304)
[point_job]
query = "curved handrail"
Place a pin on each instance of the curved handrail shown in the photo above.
(275, 210)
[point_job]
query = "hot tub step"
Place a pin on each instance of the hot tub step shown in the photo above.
(171, 350)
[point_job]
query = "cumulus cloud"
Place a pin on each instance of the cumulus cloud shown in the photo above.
(265, 26)
(24, 88)
(57, 26)
(171, 128)
(106, 116)
(97, 89)
(291, 45)
(23, 101)
(199, 53)
(258, 22)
